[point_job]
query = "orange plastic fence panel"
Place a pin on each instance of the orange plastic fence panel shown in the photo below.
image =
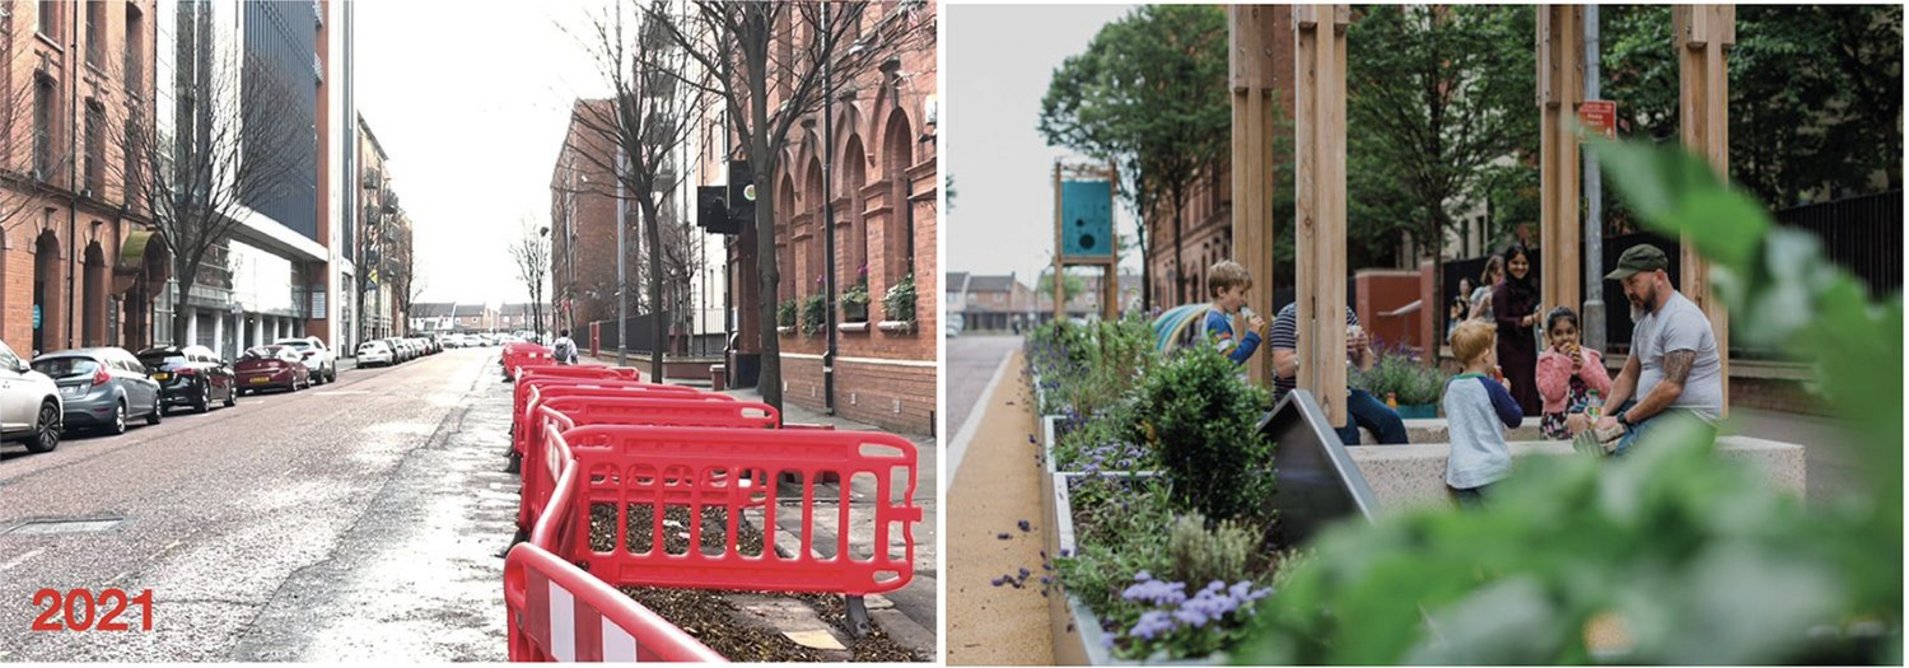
(534, 389)
(579, 371)
(651, 470)
(518, 354)
(542, 465)
(558, 612)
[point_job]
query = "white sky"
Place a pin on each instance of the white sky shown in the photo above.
(470, 101)
(1000, 58)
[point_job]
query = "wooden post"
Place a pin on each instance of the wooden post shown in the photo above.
(1320, 130)
(1110, 303)
(1560, 91)
(1255, 34)
(1059, 282)
(1702, 33)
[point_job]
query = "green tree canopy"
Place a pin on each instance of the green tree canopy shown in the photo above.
(1150, 95)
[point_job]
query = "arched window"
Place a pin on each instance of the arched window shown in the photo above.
(817, 252)
(854, 166)
(785, 254)
(898, 239)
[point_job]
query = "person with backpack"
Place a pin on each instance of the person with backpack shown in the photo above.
(564, 350)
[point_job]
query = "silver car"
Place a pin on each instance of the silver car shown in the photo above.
(101, 388)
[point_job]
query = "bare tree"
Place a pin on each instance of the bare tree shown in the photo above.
(532, 255)
(648, 117)
(230, 150)
(33, 157)
(753, 50)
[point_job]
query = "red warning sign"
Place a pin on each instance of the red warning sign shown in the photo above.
(1599, 116)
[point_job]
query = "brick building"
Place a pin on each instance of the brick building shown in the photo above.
(883, 196)
(584, 216)
(74, 248)
(989, 302)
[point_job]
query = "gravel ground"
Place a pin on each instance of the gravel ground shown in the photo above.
(710, 616)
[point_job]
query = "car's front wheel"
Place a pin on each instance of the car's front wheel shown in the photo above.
(46, 432)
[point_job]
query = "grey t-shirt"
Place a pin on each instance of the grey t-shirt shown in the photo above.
(1680, 325)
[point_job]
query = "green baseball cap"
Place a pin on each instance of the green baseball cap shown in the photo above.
(1642, 257)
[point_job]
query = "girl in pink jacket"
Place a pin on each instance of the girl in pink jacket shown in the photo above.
(1567, 373)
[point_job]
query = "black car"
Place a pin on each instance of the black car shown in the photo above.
(191, 376)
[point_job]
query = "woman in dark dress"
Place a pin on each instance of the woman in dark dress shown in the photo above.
(1514, 305)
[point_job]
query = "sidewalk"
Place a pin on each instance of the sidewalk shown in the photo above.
(909, 616)
(996, 524)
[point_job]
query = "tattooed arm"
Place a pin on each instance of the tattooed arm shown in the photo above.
(1676, 371)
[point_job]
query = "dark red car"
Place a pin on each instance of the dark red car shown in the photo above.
(272, 367)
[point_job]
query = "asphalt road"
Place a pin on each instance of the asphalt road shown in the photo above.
(972, 362)
(350, 522)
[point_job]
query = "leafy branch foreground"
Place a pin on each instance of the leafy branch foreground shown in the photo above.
(1671, 555)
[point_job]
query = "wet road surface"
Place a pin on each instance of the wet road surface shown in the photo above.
(354, 521)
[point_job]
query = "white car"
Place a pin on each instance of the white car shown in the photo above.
(318, 358)
(375, 352)
(31, 410)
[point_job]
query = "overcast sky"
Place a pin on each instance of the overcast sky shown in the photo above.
(470, 101)
(999, 62)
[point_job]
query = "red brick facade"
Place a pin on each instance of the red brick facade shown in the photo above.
(885, 193)
(68, 231)
(583, 209)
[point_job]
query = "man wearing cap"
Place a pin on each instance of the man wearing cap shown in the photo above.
(1674, 364)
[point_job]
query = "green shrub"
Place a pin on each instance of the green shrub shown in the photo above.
(1221, 554)
(814, 314)
(899, 303)
(785, 313)
(1396, 373)
(1202, 419)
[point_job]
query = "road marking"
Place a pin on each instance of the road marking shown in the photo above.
(20, 560)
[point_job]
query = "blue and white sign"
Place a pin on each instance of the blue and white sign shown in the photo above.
(1087, 220)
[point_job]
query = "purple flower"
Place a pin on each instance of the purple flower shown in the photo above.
(1025, 573)
(1152, 624)
(1025, 527)
(998, 581)
(1003, 536)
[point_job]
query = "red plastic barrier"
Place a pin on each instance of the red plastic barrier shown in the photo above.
(558, 612)
(696, 467)
(605, 371)
(519, 354)
(542, 464)
(528, 393)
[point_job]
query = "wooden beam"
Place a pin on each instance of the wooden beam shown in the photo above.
(1703, 34)
(1320, 122)
(1560, 92)
(1059, 284)
(1254, 37)
(1110, 302)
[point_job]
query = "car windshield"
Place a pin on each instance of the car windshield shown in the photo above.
(263, 352)
(296, 345)
(160, 359)
(371, 346)
(66, 367)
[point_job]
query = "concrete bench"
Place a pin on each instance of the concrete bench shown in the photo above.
(1434, 430)
(1403, 476)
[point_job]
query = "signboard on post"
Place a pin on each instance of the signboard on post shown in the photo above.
(1599, 116)
(1087, 220)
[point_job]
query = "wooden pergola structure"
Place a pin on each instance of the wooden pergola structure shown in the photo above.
(1109, 263)
(1317, 36)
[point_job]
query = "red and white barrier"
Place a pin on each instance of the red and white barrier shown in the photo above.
(560, 613)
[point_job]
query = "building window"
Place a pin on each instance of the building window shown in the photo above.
(50, 19)
(43, 115)
(135, 74)
(95, 145)
(95, 33)
(133, 175)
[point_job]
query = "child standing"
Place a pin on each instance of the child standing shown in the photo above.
(1567, 374)
(1480, 408)
(1227, 283)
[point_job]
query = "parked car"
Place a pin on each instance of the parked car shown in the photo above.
(101, 388)
(190, 376)
(322, 361)
(273, 367)
(31, 410)
(375, 353)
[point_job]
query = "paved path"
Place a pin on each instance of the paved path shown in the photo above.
(999, 487)
(972, 363)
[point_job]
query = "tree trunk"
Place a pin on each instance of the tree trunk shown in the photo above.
(187, 276)
(762, 162)
(1179, 254)
(655, 237)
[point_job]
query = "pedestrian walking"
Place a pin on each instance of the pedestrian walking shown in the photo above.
(564, 350)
